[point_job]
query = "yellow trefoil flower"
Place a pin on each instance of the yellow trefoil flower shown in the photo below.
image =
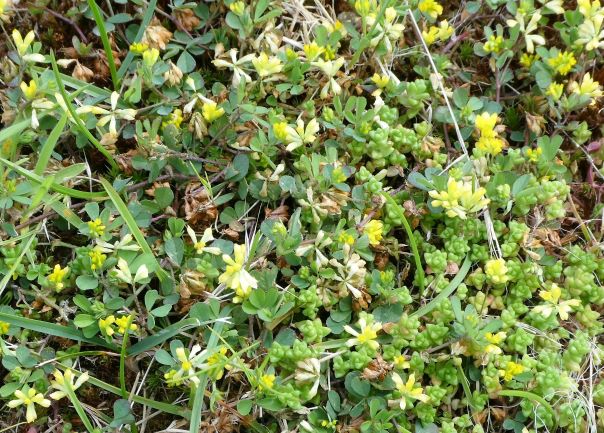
(459, 199)
(150, 57)
(211, 111)
(96, 228)
(496, 271)
(588, 87)
(534, 154)
(280, 130)
(494, 341)
(4, 327)
(431, 8)
(511, 369)
(380, 80)
(105, 325)
(401, 362)
(64, 384)
(122, 324)
(408, 390)
(174, 118)
(57, 277)
(553, 303)
(29, 91)
(485, 123)
(490, 145)
(266, 65)
(312, 51)
(237, 8)
(374, 230)
(555, 90)
(367, 335)
(236, 277)
(139, 48)
(527, 59)
(346, 238)
(494, 44)
(563, 62)
(267, 381)
(29, 397)
(97, 258)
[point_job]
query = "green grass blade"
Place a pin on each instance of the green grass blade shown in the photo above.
(75, 117)
(534, 398)
(47, 328)
(203, 380)
(75, 193)
(98, 17)
(133, 226)
(67, 214)
(17, 262)
(448, 291)
(162, 335)
(418, 262)
(14, 129)
(147, 17)
(49, 145)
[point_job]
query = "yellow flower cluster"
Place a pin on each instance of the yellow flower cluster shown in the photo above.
(459, 199)
(496, 271)
(96, 228)
(123, 323)
(494, 44)
(57, 277)
(430, 8)
(511, 369)
(563, 62)
(442, 32)
(374, 230)
(97, 258)
(489, 141)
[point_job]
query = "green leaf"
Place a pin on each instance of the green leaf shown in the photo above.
(87, 282)
(98, 18)
(49, 145)
(244, 407)
(186, 62)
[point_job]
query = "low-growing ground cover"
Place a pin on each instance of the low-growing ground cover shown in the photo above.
(301, 216)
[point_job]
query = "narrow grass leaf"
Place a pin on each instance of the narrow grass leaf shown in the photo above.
(98, 17)
(49, 145)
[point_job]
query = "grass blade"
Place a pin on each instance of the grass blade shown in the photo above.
(14, 129)
(17, 262)
(418, 262)
(75, 193)
(203, 379)
(76, 119)
(49, 145)
(47, 328)
(133, 226)
(147, 17)
(448, 291)
(98, 17)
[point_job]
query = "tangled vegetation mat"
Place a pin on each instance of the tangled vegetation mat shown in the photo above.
(301, 216)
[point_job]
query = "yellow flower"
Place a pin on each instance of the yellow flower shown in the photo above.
(174, 118)
(431, 35)
(491, 145)
(511, 369)
(588, 86)
(380, 80)
(408, 390)
(4, 327)
(96, 228)
(589, 8)
(553, 304)
(280, 130)
(364, 7)
(188, 365)
(563, 62)
(236, 277)
(459, 199)
(367, 335)
(555, 90)
(485, 123)
(527, 59)
(312, 51)
(122, 324)
(237, 8)
(29, 91)
(374, 231)
(266, 65)
(400, 362)
(64, 384)
(150, 57)
(57, 277)
(494, 44)
(105, 325)
(494, 341)
(346, 238)
(301, 134)
(29, 398)
(211, 111)
(21, 43)
(431, 8)
(214, 360)
(267, 381)
(97, 258)
(496, 271)
(534, 154)
(139, 48)
(444, 30)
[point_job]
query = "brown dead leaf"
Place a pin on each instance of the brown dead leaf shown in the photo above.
(377, 369)
(187, 19)
(199, 210)
(156, 35)
(280, 213)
